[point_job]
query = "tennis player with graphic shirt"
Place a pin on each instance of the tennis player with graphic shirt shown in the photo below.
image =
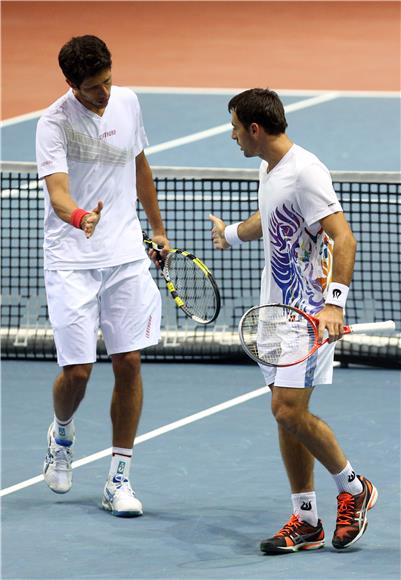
(309, 259)
(90, 151)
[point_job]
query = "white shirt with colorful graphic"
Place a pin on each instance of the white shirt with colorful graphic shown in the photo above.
(98, 154)
(293, 197)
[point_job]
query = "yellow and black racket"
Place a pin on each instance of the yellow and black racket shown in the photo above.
(189, 282)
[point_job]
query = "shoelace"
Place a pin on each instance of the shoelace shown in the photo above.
(122, 484)
(346, 509)
(293, 524)
(62, 457)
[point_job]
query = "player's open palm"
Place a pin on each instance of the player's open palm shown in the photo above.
(90, 221)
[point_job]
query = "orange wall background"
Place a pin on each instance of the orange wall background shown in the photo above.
(285, 45)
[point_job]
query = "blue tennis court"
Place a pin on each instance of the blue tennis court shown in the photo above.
(348, 131)
(207, 465)
(211, 489)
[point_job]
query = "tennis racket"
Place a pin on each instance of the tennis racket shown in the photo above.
(189, 282)
(282, 336)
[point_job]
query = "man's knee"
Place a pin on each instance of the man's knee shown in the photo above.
(289, 411)
(77, 375)
(287, 416)
(127, 364)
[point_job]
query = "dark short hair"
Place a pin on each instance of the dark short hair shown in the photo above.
(83, 57)
(260, 106)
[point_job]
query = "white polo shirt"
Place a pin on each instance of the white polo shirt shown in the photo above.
(293, 197)
(98, 153)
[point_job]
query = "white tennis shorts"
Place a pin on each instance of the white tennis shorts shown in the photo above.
(316, 370)
(123, 301)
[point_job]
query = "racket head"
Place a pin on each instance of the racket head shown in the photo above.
(278, 335)
(192, 286)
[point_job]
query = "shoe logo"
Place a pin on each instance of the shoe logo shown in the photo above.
(306, 505)
(61, 431)
(337, 293)
(119, 480)
(351, 477)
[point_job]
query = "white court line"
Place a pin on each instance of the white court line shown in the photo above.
(207, 133)
(223, 91)
(150, 435)
(21, 118)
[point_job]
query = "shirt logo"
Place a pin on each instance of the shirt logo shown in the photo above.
(107, 134)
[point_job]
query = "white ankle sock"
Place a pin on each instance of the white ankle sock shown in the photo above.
(347, 481)
(64, 430)
(304, 506)
(120, 462)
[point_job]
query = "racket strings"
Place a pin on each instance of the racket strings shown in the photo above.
(277, 335)
(192, 286)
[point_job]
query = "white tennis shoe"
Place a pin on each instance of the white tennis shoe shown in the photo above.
(57, 468)
(119, 498)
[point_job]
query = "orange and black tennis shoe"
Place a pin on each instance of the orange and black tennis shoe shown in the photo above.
(295, 535)
(352, 514)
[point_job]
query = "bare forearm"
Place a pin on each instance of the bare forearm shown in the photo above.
(337, 227)
(63, 205)
(60, 197)
(66, 208)
(251, 228)
(344, 259)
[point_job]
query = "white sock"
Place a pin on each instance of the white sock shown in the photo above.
(64, 431)
(347, 481)
(304, 506)
(120, 462)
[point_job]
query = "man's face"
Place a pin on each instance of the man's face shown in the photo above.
(243, 136)
(94, 92)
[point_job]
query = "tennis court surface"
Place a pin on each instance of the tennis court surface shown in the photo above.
(212, 489)
(207, 465)
(206, 460)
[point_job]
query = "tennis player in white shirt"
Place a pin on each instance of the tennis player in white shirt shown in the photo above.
(309, 259)
(90, 152)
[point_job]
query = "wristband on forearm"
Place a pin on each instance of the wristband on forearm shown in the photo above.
(76, 217)
(337, 294)
(231, 235)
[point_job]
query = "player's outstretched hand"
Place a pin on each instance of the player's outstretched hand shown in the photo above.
(90, 220)
(219, 240)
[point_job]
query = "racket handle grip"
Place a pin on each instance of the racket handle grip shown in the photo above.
(388, 325)
(153, 245)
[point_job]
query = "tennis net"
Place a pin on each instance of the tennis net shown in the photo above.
(371, 201)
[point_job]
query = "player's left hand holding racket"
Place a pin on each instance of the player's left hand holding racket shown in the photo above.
(189, 282)
(282, 336)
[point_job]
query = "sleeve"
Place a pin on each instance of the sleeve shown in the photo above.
(315, 193)
(140, 138)
(51, 148)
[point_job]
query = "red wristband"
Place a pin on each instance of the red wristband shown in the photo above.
(76, 217)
